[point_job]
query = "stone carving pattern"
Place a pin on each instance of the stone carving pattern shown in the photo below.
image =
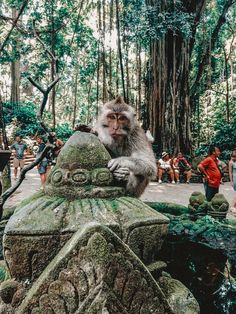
(80, 177)
(100, 277)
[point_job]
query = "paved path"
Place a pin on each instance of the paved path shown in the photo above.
(165, 192)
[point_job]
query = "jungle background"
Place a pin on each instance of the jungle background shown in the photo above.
(174, 61)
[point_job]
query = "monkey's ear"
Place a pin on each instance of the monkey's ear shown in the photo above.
(119, 100)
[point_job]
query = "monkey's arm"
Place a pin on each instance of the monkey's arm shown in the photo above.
(140, 166)
(134, 171)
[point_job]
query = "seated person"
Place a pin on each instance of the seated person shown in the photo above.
(164, 165)
(181, 166)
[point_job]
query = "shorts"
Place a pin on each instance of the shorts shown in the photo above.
(18, 163)
(43, 167)
(166, 169)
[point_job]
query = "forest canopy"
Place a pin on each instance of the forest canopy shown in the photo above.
(174, 61)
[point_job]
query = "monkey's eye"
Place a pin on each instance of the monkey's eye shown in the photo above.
(112, 116)
(123, 118)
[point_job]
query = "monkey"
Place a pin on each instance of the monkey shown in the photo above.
(133, 162)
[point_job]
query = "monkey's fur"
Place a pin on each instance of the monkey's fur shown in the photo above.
(134, 161)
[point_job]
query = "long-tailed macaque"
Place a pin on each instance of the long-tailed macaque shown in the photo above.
(133, 159)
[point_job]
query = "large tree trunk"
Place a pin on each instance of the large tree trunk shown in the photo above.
(168, 104)
(119, 49)
(15, 70)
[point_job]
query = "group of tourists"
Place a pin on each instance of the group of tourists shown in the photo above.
(208, 167)
(174, 167)
(20, 149)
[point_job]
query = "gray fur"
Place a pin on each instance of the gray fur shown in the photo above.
(134, 161)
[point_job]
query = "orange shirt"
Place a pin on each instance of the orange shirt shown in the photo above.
(210, 164)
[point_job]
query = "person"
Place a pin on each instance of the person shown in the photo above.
(232, 177)
(42, 166)
(210, 169)
(19, 149)
(164, 165)
(182, 166)
(52, 156)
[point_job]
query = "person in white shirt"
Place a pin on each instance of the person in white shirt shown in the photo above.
(164, 165)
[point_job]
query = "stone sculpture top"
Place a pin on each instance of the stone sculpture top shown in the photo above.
(81, 170)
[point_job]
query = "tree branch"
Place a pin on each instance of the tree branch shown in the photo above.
(211, 45)
(42, 43)
(11, 190)
(45, 93)
(13, 25)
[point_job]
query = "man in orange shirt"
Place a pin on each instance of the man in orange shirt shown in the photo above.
(209, 167)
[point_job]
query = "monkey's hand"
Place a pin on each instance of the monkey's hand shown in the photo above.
(121, 174)
(120, 162)
(119, 169)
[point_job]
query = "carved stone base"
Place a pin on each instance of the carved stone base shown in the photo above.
(95, 272)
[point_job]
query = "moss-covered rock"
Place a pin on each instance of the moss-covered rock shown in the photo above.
(179, 297)
(169, 208)
(198, 204)
(7, 290)
(78, 191)
(83, 151)
(219, 203)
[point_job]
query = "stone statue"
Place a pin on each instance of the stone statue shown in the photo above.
(84, 246)
(198, 204)
(219, 203)
(219, 207)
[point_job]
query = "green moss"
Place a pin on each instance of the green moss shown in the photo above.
(88, 188)
(114, 205)
(85, 150)
(99, 249)
(8, 212)
(29, 200)
(171, 208)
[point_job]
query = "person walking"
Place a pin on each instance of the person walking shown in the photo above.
(232, 177)
(19, 150)
(210, 169)
(42, 166)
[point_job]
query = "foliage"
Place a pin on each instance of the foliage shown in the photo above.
(64, 131)
(24, 116)
(83, 37)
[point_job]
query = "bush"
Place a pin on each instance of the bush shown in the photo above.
(224, 138)
(25, 113)
(64, 131)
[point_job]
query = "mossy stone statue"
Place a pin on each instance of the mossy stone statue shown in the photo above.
(198, 204)
(79, 190)
(219, 206)
(84, 246)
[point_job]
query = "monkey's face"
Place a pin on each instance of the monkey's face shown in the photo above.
(118, 125)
